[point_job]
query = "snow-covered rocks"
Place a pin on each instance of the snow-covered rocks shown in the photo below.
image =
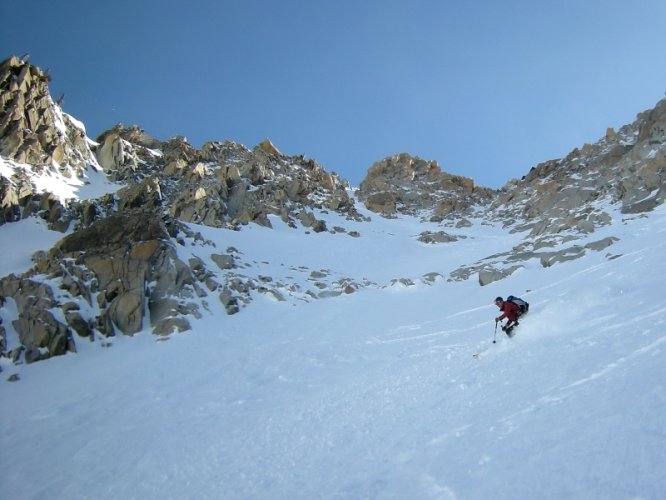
(410, 185)
(133, 257)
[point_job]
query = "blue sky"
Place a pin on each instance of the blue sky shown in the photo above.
(486, 88)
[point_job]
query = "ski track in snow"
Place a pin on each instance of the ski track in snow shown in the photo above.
(376, 395)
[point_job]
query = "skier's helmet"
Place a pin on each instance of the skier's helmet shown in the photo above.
(499, 300)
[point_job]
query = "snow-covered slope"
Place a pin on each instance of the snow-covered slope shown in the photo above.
(376, 394)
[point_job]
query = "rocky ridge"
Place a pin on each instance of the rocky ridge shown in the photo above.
(556, 205)
(118, 268)
(560, 202)
(225, 184)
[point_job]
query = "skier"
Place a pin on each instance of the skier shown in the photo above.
(510, 311)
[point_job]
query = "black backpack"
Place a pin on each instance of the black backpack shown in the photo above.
(524, 306)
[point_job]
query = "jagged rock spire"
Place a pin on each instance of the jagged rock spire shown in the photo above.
(33, 129)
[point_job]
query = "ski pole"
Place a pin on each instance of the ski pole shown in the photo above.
(495, 334)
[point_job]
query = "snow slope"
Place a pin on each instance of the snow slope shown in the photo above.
(377, 394)
(92, 183)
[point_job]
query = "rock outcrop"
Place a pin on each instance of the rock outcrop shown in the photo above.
(111, 276)
(626, 167)
(41, 334)
(412, 186)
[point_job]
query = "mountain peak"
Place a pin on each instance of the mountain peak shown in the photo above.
(407, 184)
(34, 130)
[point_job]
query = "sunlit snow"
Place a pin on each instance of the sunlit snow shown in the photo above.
(92, 184)
(389, 392)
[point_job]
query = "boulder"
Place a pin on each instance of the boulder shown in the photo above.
(77, 323)
(169, 326)
(41, 334)
(436, 237)
(490, 275)
(111, 153)
(224, 262)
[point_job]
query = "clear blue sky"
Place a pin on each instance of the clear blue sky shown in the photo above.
(486, 88)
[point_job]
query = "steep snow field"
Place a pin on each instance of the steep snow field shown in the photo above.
(377, 394)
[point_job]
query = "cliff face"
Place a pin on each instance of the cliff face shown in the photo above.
(122, 265)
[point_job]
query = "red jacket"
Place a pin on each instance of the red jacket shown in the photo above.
(509, 310)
